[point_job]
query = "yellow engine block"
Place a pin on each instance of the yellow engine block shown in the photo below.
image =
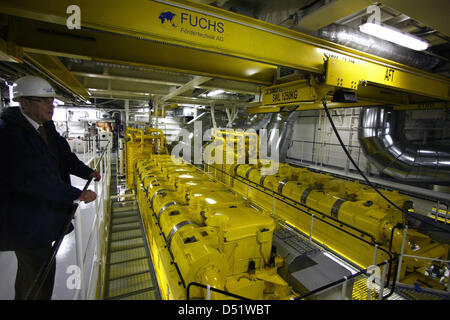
(346, 216)
(201, 232)
(140, 144)
(344, 207)
(208, 231)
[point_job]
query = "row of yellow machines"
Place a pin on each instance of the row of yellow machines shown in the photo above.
(202, 232)
(347, 217)
(203, 228)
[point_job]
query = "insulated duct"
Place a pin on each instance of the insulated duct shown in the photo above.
(259, 121)
(185, 140)
(384, 143)
(284, 123)
(355, 39)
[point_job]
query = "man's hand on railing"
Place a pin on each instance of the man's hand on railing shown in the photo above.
(87, 196)
(95, 175)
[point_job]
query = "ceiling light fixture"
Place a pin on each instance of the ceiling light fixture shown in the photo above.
(390, 34)
(215, 92)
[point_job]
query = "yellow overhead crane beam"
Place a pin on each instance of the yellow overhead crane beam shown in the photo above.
(58, 71)
(225, 44)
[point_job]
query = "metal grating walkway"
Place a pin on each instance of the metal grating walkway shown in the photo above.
(129, 274)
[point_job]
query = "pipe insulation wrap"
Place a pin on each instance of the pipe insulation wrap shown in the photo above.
(385, 145)
(358, 40)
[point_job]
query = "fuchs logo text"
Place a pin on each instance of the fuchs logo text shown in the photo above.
(187, 19)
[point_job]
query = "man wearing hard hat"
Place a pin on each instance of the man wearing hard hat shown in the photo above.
(35, 191)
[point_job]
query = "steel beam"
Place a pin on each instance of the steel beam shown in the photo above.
(52, 66)
(198, 80)
(41, 37)
(143, 96)
(226, 87)
(329, 13)
(432, 13)
(127, 79)
(199, 39)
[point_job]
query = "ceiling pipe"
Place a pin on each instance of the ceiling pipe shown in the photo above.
(355, 39)
(284, 123)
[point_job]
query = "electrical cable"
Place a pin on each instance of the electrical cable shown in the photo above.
(351, 159)
(422, 219)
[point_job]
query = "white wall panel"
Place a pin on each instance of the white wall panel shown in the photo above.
(313, 141)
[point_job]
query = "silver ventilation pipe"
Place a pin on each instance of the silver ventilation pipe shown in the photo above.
(286, 134)
(204, 121)
(355, 39)
(283, 122)
(385, 145)
(259, 121)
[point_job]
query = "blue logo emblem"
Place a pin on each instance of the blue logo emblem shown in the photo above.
(192, 25)
(167, 16)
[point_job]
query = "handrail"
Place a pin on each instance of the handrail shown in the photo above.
(45, 268)
(273, 193)
(96, 226)
(212, 289)
(391, 257)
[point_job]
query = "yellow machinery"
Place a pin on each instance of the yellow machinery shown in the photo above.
(140, 144)
(346, 216)
(337, 211)
(205, 232)
(201, 232)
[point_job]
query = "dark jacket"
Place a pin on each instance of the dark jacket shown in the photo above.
(35, 192)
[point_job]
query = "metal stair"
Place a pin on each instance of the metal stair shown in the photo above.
(129, 273)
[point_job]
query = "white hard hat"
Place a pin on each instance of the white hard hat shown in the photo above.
(31, 86)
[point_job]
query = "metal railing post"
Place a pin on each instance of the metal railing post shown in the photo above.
(374, 262)
(301, 160)
(208, 292)
(91, 148)
(446, 213)
(383, 277)
(79, 254)
(96, 192)
(311, 227)
(438, 208)
(94, 148)
(401, 253)
(344, 289)
(84, 150)
(273, 204)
